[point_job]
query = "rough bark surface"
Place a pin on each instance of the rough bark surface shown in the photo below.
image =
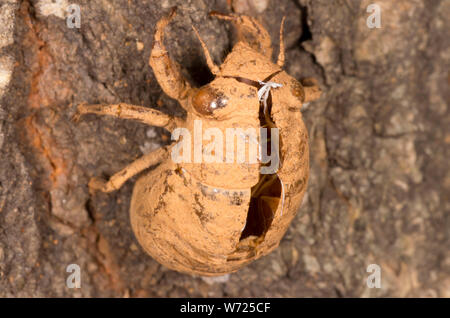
(379, 137)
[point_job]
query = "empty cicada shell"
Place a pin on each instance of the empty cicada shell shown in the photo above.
(213, 217)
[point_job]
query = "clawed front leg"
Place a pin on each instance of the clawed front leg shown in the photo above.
(142, 114)
(139, 165)
(167, 71)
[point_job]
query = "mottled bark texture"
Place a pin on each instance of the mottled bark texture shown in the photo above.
(379, 136)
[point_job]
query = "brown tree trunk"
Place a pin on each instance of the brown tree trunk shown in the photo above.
(379, 186)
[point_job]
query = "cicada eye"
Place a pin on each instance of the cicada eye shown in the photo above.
(298, 90)
(207, 100)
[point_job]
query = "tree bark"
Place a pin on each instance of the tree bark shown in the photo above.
(379, 185)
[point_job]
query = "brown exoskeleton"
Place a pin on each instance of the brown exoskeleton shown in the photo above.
(213, 218)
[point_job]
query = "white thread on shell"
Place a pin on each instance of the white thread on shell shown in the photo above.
(263, 92)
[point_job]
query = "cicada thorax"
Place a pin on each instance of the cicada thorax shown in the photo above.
(222, 133)
(244, 62)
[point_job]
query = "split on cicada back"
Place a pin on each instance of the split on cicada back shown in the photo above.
(267, 194)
